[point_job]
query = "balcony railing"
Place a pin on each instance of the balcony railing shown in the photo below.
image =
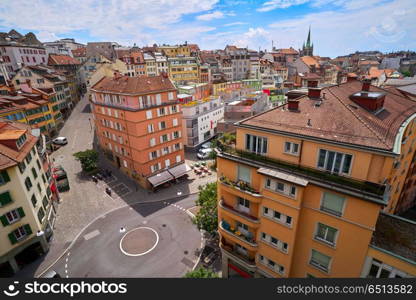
(239, 212)
(250, 261)
(241, 186)
(247, 239)
(356, 185)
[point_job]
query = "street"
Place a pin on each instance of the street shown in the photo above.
(86, 201)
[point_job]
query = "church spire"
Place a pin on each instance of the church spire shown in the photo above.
(308, 41)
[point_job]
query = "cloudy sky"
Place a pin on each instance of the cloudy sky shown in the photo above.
(338, 26)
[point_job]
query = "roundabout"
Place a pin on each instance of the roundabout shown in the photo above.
(139, 241)
(150, 240)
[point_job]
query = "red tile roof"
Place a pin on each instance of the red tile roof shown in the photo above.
(134, 85)
(62, 60)
(80, 52)
(340, 119)
(287, 51)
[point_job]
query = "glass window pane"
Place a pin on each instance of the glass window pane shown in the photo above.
(321, 160)
(287, 147)
(244, 174)
(384, 273)
(333, 203)
(330, 161)
(264, 150)
(337, 165)
(373, 271)
(347, 164)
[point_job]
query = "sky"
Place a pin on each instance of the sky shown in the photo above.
(338, 27)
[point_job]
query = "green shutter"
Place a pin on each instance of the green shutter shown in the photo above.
(12, 238)
(21, 212)
(4, 220)
(27, 229)
(5, 176)
(5, 198)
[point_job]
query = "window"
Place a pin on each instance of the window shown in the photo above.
(34, 200)
(152, 142)
(178, 158)
(320, 260)
(39, 188)
(170, 96)
(380, 270)
(4, 177)
(38, 164)
(332, 203)
(41, 214)
(148, 114)
(28, 183)
(175, 122)
(14, 215)
(176, 134)
(256, 144)
(174, 109)
(272, 265)
(125, 163)
(280, 187)
(150, 128)
(326, 233)
(161, 111)
(162, 125)
(45, 202)
(35, 175)
(20, 233)
(167, 163)
(164, 138)
(153, 154)
(291, 148)
(334, 162)
(268, 183)
(244, 174)
(158, 99)
(28, 158)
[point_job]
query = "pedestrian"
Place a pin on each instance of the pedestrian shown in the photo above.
(94, 179)
(108, 191)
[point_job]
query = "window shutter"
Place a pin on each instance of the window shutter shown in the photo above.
(180, 133)
(150, 155)
(21, 212)
(5, 176)
(157, 153)
(4, 220)
(28, 229)
(159, 165)
(161, 139)
(5, 198)
(12, 238)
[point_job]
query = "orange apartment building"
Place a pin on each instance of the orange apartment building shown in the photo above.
(311, 187)
(139, 126)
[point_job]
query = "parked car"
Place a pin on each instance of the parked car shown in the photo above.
(51, 274)
(206, 145)
(61, 140)
(57, 168)
(63, 185)
(204, 153)
(60, 174)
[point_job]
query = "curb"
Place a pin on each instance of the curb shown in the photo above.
(98, 217)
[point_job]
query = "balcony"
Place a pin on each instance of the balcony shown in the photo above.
(232, 252)
(242, 214)
(372, 191)
(241, 186)
(237, 237)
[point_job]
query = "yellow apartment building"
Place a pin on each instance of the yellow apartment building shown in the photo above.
(303, 191)
(173, 51)
(183, 69)
(26, 211)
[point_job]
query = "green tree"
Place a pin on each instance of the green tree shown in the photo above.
(207, 217)
(88, 159)
(406, 73)
(201, 273)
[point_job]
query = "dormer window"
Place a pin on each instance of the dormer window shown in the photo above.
(21, 140)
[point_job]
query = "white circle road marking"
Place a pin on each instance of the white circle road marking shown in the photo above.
(143, 253)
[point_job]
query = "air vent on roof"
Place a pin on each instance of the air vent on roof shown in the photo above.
(318, 103)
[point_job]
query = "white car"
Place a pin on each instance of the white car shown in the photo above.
(206, 145)
(60, 141)
(204, 153)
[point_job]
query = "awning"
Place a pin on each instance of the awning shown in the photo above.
(160, 178)
(283, 176)
(179, 170)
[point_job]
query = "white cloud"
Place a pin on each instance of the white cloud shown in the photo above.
(122, 21)
(273, 4)
(235, 24)
(211, 16)
(46, 36)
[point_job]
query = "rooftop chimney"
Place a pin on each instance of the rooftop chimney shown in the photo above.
(314, 92)
(312, 83)
(366, 85)
(293, 105)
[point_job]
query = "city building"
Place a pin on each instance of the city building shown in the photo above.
(240, 60)
(80, 54)
(139, 127)
(173, 51)
(311, 187)
(183, 69)
(26, 211)
(106, 49)
(66, 43)
(150, 61)
(17, 50)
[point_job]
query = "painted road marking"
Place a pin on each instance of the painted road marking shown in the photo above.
(91, 235)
